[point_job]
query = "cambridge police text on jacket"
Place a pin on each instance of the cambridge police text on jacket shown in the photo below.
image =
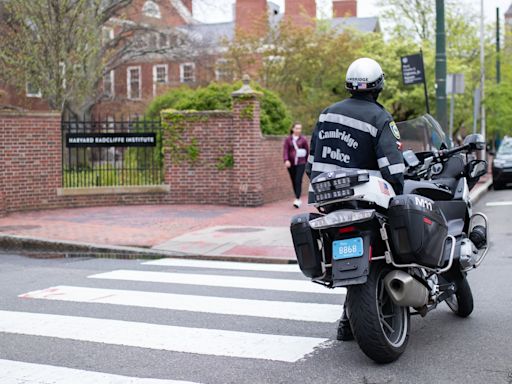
(357, 133)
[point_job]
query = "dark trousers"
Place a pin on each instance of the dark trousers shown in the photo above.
(296, 172)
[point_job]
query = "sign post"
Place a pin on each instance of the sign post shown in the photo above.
(413, 72)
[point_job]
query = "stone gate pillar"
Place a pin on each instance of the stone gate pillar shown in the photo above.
(247, 151)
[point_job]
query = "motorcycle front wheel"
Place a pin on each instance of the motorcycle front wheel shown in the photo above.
(380, 327)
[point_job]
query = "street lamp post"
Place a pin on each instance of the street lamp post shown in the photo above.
(441, 110)
(482, 72)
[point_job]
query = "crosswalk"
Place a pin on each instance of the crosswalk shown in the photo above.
(278, 293)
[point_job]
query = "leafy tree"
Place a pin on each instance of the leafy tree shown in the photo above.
(58, 47)
(499, 108)
(274, 116)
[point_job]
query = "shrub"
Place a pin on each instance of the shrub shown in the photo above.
(274, 117)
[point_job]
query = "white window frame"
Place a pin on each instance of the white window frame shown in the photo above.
(182, 72)
(38, 94)
(218, 72)
(129, 82)
(155, 7)
(111, 74)
(110, 31)
(167, 40)
(62, 67)
(155, 73)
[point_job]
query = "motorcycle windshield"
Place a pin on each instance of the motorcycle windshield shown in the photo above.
(422, 134)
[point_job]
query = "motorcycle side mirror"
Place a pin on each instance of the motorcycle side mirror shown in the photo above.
(475, 142)
(476, 169)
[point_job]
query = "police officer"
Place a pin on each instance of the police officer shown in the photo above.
(358, 132)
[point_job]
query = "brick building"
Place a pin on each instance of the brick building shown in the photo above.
(129, 87)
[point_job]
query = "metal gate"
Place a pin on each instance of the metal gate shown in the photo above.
(109, 152)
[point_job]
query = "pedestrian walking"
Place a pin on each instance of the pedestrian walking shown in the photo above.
(295, 151)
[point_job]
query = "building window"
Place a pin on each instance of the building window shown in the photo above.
(108, 84)
(187, 73)
(134, 83)
(33, 91)
(222, 70)
(62, 67)
(152, 40)
(107, 34)
(160, 76)
(163, 40)
(151, 9)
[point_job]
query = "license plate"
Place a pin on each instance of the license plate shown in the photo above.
(347, 249)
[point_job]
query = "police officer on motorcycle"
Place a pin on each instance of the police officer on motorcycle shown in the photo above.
(357, 133)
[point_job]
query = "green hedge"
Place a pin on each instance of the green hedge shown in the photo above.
(275, 117)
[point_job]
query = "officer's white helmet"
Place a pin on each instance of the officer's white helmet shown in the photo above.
(364, 75)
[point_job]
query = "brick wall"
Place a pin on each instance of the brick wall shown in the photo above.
(344, 8)
(300, 12)
(201, 181)
(276, 180)
(30, 158)
(30, 155)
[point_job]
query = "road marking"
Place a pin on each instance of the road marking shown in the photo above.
(499, 203)
(324, 313)
(162, 337)
(303, 286)
(15, 372)
(225, 265)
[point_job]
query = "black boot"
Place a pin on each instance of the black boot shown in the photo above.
(344, 330)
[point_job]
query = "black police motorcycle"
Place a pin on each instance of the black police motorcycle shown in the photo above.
(397, 256)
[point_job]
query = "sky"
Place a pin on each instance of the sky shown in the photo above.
(213, 11)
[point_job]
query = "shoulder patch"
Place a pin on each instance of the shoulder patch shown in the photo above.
(395, 130)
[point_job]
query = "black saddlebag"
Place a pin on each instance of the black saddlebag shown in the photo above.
(305, 241)
(418, 230)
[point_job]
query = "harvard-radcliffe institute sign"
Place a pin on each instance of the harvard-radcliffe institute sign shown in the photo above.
(83, 140)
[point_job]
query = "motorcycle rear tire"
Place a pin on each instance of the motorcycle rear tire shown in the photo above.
(368, 305)
(461, 303)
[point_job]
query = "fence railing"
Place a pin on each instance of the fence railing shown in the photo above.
(109, 152)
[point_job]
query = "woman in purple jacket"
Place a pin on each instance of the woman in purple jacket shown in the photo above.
(295, 155)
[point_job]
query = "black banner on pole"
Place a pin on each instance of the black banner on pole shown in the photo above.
(413, 72)
(412, 69)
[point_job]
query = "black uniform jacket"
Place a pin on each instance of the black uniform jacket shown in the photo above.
(357, 133)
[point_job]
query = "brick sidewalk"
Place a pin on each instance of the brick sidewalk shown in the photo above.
(230, 231)
(195, 230)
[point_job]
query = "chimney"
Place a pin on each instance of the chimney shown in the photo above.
(188, 4)
(344, 8)
(300, 12)
(251, 17)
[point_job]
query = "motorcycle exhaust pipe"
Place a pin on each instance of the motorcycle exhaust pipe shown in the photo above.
(405, 290)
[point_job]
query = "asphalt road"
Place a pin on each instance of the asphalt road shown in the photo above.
(78, 335)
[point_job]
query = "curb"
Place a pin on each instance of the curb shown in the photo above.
(44, 248)
(478, 193)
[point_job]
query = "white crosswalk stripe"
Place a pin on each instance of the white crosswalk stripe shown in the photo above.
(164, 337)
(180, 338)
(286, 285)
(325, 313)
(15, 372)
(229, 265)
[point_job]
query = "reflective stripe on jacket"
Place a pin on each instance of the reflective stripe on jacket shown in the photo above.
(356, 133)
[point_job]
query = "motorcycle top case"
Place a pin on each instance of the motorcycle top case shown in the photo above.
(418, 230)
(305, 241)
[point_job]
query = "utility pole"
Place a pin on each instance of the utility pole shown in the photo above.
(498, 63)
(441, 66)
(482, 70)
